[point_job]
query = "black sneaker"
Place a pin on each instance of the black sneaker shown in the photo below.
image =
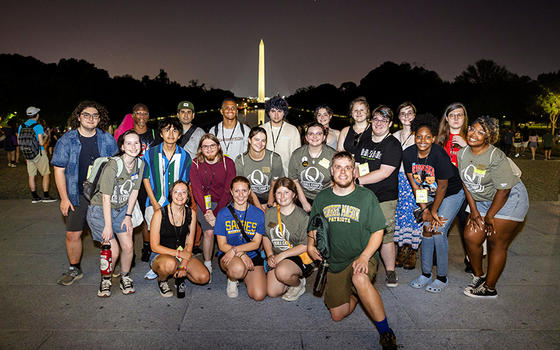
(476, 282)
(391, 279)
(164, 289)
(388, 340)
(181, 287)
(36, 200)
(48, 199)
(196, 250)
(146, 251)
(481, 292)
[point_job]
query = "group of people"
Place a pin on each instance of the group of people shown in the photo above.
(257, 192)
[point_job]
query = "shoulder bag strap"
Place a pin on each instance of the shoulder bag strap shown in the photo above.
(232, 211)
(280, 226)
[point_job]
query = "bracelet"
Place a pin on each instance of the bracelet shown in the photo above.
(127, 214)
(180, 267)
(268, 257)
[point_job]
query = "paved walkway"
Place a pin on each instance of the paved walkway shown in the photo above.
(38, 313)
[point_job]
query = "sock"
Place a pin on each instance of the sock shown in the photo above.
(428, 275)
(77, 266)
(442, 278)
(34, 194)
(46, 194)
(382, 326)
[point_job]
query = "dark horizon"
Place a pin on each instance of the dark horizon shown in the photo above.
(307, 42)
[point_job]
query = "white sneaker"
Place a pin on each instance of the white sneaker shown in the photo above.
(293, 293)
(150, 275)
(208, 265)
(231, 289)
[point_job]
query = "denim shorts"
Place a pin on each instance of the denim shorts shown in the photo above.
(516, 206)
(153, 257)
(96, 221)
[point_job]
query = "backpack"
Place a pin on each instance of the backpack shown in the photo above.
(91, 184)
(28, 142)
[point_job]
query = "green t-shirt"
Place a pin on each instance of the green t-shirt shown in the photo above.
(294, 228)
(260, 173)
(486, 173)
(313, 174)
(121, 187)
(352, 220)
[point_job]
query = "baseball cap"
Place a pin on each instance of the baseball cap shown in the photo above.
(32, 111)
(185, 105)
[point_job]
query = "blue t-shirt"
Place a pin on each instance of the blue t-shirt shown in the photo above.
(253, 223)
(37, 128)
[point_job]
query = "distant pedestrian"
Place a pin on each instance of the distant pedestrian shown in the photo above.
(40, 161)
(508, 141)
(533, 143)
(10, 142)
(547, 144)
(74, 153)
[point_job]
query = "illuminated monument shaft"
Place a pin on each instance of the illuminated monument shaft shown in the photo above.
(260, 96)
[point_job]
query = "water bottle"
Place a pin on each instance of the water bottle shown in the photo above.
(321, 278)
(106, 257)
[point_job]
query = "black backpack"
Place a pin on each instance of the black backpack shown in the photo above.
(28, 142)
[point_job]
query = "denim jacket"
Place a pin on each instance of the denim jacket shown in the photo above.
(67, 155)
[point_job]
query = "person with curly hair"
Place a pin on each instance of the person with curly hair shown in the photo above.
(439, 193)
(74, 153)
(498, 203)
(283, 137)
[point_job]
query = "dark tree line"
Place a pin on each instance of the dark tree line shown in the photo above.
(57, 88)
(486, 88)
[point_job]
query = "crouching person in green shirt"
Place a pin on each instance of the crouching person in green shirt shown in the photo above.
(356, 225)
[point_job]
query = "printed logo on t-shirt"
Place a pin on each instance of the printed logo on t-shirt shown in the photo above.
(370, 154)
(122, 192)
(259, 181)
(276, 237)
(473, 179)
(341, 213)
(424, 177)
(311, 179)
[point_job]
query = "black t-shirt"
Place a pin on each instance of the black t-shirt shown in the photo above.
(88, 154)
(388, 152)
(436, 166)
(149, 139)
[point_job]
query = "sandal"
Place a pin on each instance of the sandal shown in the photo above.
(420, 282)
(436, 286)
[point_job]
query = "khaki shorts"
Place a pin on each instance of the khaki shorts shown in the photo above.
(389, 209)
(40, 163)
(339, 285)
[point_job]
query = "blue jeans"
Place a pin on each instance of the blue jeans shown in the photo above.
(448, 210)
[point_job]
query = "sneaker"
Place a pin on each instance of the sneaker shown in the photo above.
(12, 165)
(73, 274)
(164, 289)
(476, 282)
(150, 275)
(208, 265)
(293, 293)
(391, 279)
(388, 341)
(48, 199)
(196, 251)
(146, 252)
(231, 289)
(36, 200)
(181, 287)
(481, 292)
(127, 287)
(104, 288)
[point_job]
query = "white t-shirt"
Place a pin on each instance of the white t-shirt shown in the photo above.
(235, 140)
(283, 140)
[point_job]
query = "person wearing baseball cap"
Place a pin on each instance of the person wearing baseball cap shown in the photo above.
(39, 162)
(191, 134)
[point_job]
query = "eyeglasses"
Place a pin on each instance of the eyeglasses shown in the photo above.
(456, 115)
(380, 121)
(209, 146)
(93, 116)
(480, 132)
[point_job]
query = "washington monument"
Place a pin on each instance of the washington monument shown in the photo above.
(260, 95)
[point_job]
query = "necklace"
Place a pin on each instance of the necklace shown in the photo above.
(175, 223)
(275, 140)
(230, 136)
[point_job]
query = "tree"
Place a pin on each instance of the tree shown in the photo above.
(550, 103)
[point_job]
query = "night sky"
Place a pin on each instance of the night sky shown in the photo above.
(307, 42)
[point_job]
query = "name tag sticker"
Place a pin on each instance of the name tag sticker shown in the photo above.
(208, 201)
(480, 171)
(422, 196)
(363, 169)
(180, 249)
(89, 170)
(134, 177)
(325, 163)
(266, 169)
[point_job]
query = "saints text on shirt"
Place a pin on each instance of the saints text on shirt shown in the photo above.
(249, 226)
(341, 213)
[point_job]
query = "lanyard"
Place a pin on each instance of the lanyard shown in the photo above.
(177, 234)
(274, 140)
(209, 180)
(280, 227)
(230, 136)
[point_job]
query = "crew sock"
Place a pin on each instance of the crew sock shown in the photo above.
(78, 266)
(427, 275)
(382, 326)
(442, 278)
